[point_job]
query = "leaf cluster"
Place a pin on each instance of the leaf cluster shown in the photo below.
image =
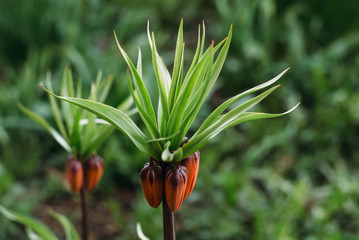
(180, 97)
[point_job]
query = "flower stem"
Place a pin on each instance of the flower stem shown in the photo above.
(169, 232)
(84, 214)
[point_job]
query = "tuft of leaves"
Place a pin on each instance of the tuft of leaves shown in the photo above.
(180, 98)
(78, 132)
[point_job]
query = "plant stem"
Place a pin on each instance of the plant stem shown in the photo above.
(84, 214)
(169, 232)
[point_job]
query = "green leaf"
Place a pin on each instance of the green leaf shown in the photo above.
(199, 49)
(177, 68)
(148, 121)
(38, 228)
(140, 87)
(139, 63)
(43, 123)
(193, 107)
(55, 110)
(116, 117)
(163, 81)
(186, 92)
(250, 116)
(201, 139)
(218, 111)
(32, 235)
(70, 231)
(68, 91)
(103, 88)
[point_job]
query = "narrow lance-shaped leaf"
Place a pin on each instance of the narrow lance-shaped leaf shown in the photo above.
(66, 90)
(70, 231)
(42, 122)
(150, 124)
(32, 235)
(199, 140)
(161, 81)
(103, 88)
(114, 116)
(219, 110)
(250, 116)
(139, 63)
(177, 67)
(194, 106)
(199, 50)
(186, 91)
(144, 97)
(55, 110)
(38, 228)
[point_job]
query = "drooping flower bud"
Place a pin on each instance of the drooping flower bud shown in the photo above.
(74, 173)
(94, 168)
(152, 178)
(175, 186)
(192, 165)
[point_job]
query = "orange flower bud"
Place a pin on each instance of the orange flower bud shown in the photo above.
(94, 168)
(192, 165)
(74, 173)
(175, 186)
(152, 183)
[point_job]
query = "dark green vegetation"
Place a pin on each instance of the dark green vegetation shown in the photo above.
(294, 177)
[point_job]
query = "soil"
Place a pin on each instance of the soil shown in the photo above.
(102, 225)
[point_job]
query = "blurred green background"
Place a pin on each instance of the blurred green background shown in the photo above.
(295, 177)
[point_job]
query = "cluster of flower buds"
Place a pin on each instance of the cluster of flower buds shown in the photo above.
(176, 182)
(90, 171)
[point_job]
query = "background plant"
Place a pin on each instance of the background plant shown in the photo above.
(305, 149)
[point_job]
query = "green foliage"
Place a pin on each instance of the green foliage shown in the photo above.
(79, 132)
(241, 167)
(173, 122)
(36, 230)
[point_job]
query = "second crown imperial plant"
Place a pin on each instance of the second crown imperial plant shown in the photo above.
(171, 172)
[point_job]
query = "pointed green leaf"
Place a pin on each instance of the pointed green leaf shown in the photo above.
(56, 111)
(250, 116)
(103, 88)
(177, 67)
(38, 228)
(67, 90)
(43, 123)
(218, 111)
(186, 92)
(201, 139)
(163, 81)
(70, 231)
(114, 116)
(141, 90)
(150, 124)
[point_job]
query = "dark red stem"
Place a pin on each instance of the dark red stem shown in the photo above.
(169, 232)
(84, 214)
